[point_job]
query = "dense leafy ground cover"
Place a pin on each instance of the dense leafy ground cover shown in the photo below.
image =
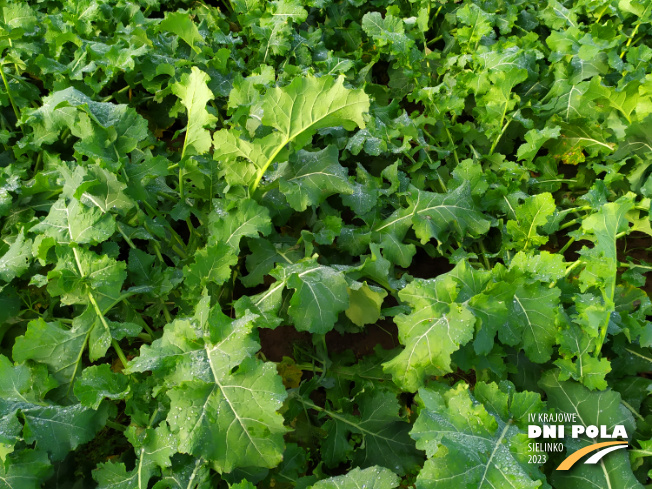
(463, 185)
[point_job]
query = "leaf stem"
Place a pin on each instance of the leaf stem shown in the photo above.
(343, 419)
(566, 246)
(343, 371)
(261, 172)
(11, 98)
(569, 269)
(157, 251)
(193, 234)
(114, 343)
(628, 406)
(572, 267)
(166, 313)
(633, 33)
(570, 223)
(484, 255)
(116, 426)
(639, 355)
(633, 265)
(123, 89)
(434, 40)
(148, 336)
(504, 128)
(450, 138)
(78, 360)
(597, 21)
(119, 299)
(164, 308)
(574, 209)
(98, 311)
(126, 238)
(173, 233)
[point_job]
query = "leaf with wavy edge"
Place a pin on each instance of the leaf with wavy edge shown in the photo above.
(296, 111)
(224, 401)
(475, 441)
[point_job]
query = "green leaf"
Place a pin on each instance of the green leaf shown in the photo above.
(431, 332)
(153, 447)
(557, 16)
(10, 434)
(296, 111)
(98, 382)
(535, 139)
(102, 189)
(313, 176)
(60, 429)
(577, 363)
(429, 342)
(19, 16)
(602, 228)
(436, 216)
(370, 478)
(534, 212)
(543, 267)
(212, 265)
(144, 272)
(239, 410)
(55, 429)
(144, 176)
(55, 346)
(577, 138)
(274, 30)
(290, 470)
(320, 295)
(76, 223)
(247, 219)
(80, 274)
(264, 255)
(106, 131)
(601, 262)
(27, 469)
(15, 261)
(475, 442)
(477, 24)
(194, 94)
(20, 386)
(387, 31)
(179, 23)
(645, 451)
(115, 476)
(377, 422)
(532, 313)
(221, 395)
(186, 473)
(364, 304)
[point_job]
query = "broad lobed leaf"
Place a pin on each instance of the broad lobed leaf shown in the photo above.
(301, 243)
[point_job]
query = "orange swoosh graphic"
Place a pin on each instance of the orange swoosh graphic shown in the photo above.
(575, 456)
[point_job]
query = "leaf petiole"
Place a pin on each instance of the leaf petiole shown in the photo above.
(261, 172)
(116, 426)
(11, 98)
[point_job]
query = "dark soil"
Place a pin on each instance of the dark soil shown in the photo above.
(282, 341)
(383, 333)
